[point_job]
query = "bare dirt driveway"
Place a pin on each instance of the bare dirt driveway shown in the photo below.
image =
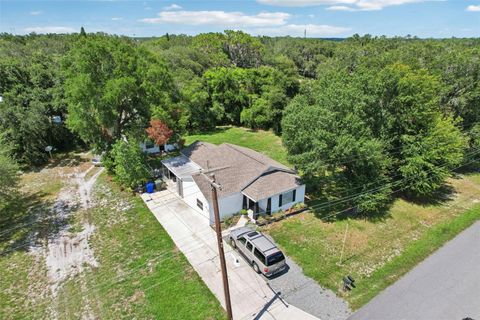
(445, 286)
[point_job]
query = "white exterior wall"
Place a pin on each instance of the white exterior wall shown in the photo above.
(228, 205)
(299, 197)
(191, 193)
(156, 148)
(170, 147)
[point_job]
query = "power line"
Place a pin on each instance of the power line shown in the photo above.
(391, 184)
(131, 271)
(328, 271)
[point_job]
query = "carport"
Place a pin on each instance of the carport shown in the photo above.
(178, 169)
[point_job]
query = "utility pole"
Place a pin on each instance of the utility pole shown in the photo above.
(218, 229)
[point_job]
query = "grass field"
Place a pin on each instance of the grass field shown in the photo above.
(265, 142)
(140, 273)
(377, 251)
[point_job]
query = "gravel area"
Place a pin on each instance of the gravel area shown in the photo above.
(303, 292)
(296, 289)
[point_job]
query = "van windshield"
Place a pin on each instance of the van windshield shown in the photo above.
(275, 258)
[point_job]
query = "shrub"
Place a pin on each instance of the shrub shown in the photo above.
(128, 163)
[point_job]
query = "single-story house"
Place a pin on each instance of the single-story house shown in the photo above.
(149, 146)
(249, 180)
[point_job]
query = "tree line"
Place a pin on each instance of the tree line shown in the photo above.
(353, 114)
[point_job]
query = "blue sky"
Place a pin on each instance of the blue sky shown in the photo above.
(320, 18)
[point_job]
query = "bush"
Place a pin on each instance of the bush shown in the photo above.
(279, 214)
(128, 163)
(299, 206)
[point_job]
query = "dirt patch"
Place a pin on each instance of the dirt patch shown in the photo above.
(68, 253)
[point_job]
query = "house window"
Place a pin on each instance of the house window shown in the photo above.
(287, 197)
(149, 144)
(200, 204)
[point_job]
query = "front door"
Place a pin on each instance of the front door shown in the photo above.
(269, 205)
(252, 205)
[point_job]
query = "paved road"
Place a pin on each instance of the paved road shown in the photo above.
(446, 286)
(189, 229)
(303, 292)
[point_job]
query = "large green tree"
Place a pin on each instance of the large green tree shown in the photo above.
(8, 173)
(112, 88)
(373, 130)
(31, 86)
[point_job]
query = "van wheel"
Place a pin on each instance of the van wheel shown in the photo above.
(256, 268)
(232, 242)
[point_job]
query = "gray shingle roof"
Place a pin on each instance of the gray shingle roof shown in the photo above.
(271, 183)
(235, 168)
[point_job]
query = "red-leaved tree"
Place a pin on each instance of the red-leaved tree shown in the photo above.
(159, 132)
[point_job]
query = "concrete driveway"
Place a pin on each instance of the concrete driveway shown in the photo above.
(251, 297)
(445, 286)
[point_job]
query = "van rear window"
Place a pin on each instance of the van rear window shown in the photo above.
(275, 258)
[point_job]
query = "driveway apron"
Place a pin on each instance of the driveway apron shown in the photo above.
(251, 297)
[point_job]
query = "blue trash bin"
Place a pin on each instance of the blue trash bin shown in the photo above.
(150, 186)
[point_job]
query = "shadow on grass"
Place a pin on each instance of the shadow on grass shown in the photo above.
(60, 160)
(469, 169)
(29, 221)
(444, 194)
(341, 212)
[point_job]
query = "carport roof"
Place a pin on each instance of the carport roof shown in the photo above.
(181, 166)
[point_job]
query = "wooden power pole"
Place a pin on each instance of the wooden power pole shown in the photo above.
(218, 229)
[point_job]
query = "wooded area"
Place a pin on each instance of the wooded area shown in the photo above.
(355, 115)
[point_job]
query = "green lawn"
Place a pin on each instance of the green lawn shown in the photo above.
(265, 142)
(159, 282)
(376, 252)
(140, 274)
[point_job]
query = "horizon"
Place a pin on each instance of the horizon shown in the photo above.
(330, 19)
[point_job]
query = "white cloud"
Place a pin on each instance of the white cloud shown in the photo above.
(220, 18)
(35, 13)
(117, 18)
(297, 30)
(342, 4)
(50, 29)
(304, 3)
(473, 8)
(172, 7)
(340, 8)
